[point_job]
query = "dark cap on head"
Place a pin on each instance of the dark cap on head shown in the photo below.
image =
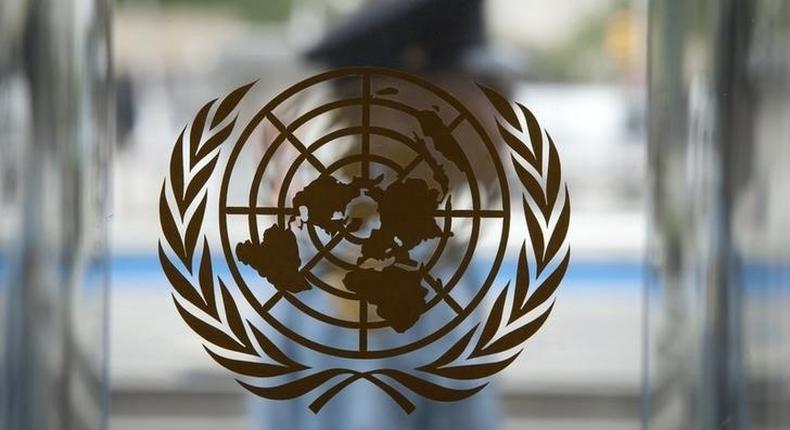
(404, 34)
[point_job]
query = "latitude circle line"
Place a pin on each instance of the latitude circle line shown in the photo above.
(441, 294)
(345, 161)
(326, 253)
(409, 110)
(263, 310)
(281, 137)
(328, 138)
(349, 266)
(295, 301)
(320, 246)
(436, 254)
(469, 170)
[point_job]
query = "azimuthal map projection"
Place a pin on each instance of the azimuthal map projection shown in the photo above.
(369, 209)
(364, 214)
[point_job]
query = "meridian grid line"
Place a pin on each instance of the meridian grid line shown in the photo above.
(441, 292)
(244, 210)
(363, 325)
(365, 126)
(411, 166)
(455, 213)
(470, 213)
(272, 301)
(322, 252)
(455, 122)
(296, 142)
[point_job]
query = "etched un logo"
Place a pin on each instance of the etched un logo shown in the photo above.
(364, 212)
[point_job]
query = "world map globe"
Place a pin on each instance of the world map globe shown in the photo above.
(405, 209)
(397, 217)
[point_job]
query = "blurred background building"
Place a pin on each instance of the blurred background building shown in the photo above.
(579, 66)
(703, 352)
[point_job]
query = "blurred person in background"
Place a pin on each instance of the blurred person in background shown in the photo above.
(443, 41)
(179, 53)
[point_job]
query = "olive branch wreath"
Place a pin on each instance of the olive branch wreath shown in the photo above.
(217, 320)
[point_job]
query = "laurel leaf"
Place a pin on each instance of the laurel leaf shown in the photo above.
(179, 282)
(177, 173)
(502, 105)
(492, 323)
(294, 388)
(196, 132)
(271, 350)
(399, 398)
(521, 286)
(487, 344)
(216, 140)
(327, 395)
(553, 178)
(451, 354)
(208, 332)
(535, 233)
(250, 368)
(229, 103)
(206, 281)
(519, 335)
(545, 201)
(198, 182)
(233, 317)
(517, 145)
(547, 288)
(428, 389)
(560, 231)
(169, 228)
(535, 136)
(475, 371)
(193, 231)
(530, 184)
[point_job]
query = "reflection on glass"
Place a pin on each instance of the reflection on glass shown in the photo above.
(578, 65)
(718, 295)
(54, 145)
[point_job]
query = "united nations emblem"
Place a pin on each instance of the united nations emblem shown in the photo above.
(379, 222)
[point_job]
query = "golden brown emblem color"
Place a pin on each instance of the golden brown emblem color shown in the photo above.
(383, 268)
